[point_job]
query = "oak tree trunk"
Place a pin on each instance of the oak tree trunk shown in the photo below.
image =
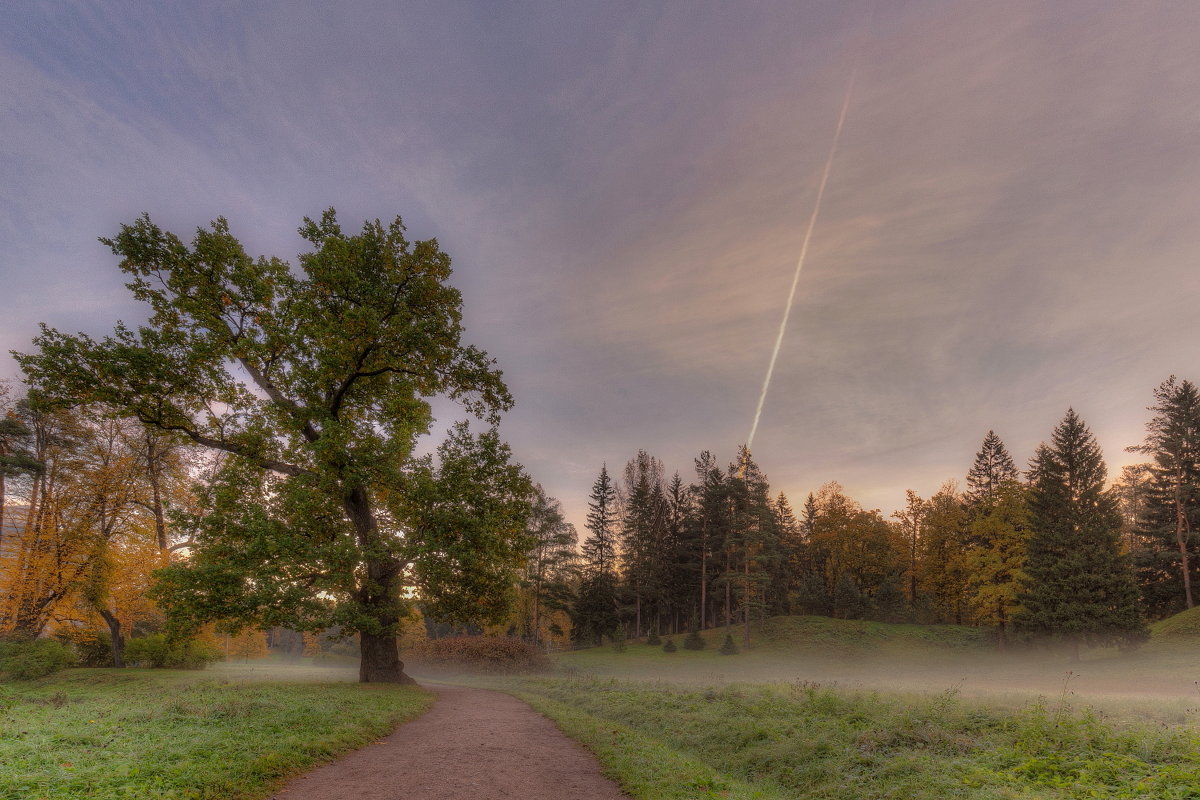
(380, 661)
(114, 631)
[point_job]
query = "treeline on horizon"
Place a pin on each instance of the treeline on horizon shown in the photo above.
(1052, 551)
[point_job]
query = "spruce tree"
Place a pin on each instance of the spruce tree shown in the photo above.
(1171, 513)
(993, 468)
(1078, 585)
(600, 549)
(595, 614)
(642, 534)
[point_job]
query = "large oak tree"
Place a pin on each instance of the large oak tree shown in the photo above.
(315, 383)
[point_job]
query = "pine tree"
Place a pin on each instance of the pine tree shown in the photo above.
(600, 549)
(752, 547)
(709, 527)
(785, 570)
(643, 531)
(1078, 586)
(678, 583)
(993, 468)
(1171, 513)
(595, 614)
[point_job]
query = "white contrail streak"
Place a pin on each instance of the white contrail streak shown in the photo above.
(812, 223)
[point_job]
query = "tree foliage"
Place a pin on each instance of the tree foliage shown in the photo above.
(316, 383)
(1078, 585)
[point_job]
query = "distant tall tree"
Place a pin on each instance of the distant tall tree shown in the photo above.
(995, 556)
(595, 614)
(1078, 585)
(550, 562)
(710, 526)
(786, 568)
(644, 517)
(752, 547)
(943, 573)
(910, 519)
(679, 556)
(1171, 514)
(812, 594)
(852, 547)
(993, 468)
(600, 548)
(1132, 491)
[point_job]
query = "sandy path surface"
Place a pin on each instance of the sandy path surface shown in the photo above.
(473, 744)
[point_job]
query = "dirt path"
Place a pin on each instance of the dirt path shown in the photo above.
(472, 745)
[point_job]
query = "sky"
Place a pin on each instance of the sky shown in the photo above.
(1011, 226)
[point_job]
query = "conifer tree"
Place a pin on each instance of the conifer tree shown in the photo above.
(677, 583)
(752, 546)
(600, 548)
(643, 525)
(710, 526)
(1078, 586)
(1171, 513)
(785, 569)
(993, 468)
(595, 614)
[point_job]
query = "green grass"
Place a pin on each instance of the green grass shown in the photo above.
(902, 657)
(165, 735)
(1184, 625)
(823, 743)
(838, 710)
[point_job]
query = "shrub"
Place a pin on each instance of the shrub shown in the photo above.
(160, 652)
(94, 650)
(669, 646)
(491, 654)
(618, 639)
(34, 658)
(653, 639)
(728, 648)
(693, 641)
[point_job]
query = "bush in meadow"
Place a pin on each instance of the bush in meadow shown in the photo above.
(24, 660)
(160, 652)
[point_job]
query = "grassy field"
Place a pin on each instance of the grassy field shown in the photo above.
(810, 741)
(878, 656)
(230, 732)
(833, 709)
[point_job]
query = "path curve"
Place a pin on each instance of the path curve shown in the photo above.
(472, 745)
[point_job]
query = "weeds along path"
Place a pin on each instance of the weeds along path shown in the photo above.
(472, 745)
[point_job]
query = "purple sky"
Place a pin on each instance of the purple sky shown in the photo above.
(1012, 225)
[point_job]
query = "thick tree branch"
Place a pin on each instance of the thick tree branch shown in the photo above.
(274, 465)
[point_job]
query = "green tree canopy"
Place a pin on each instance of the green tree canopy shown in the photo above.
(316, 383)
(1078, 585)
